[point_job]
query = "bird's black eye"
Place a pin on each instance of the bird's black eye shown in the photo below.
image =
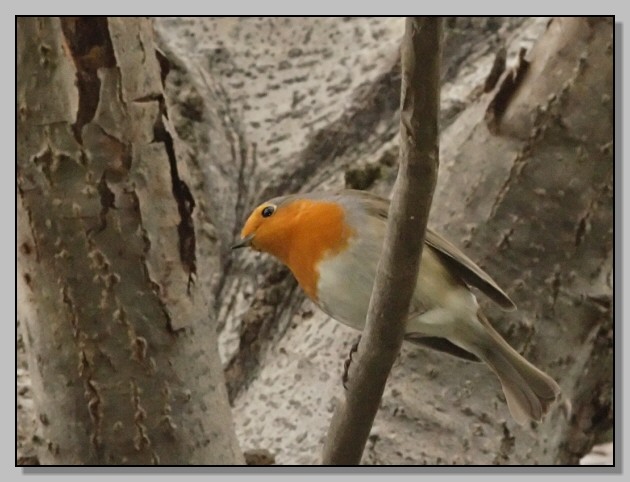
(268, 211)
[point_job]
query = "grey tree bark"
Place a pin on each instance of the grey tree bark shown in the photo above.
(122, 354)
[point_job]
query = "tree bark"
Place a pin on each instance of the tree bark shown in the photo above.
(122, 354)
(397, 271)
(535, 204)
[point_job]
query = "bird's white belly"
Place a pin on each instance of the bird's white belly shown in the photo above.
(346, 280)
(345, 286)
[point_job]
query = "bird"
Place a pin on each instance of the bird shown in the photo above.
(332, 240)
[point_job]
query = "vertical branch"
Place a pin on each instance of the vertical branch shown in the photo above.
(398, 267)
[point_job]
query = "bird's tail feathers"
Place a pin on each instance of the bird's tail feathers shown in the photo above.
(529, 391)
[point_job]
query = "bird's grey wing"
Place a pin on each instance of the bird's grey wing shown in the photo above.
(467, 270)
(456, 261)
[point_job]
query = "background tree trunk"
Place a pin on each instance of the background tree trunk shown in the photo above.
(123, 358)
(535, 208)
(276, 105)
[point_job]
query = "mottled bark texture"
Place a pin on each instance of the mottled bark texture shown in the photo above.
(271, 106)
(395, 282)
(121, 350)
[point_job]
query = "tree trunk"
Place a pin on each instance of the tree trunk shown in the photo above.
(122, 353)
(535, 170)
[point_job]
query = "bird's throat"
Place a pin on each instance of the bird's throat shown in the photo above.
(316, 230)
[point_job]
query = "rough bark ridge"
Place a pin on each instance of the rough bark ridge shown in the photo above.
(122, 357)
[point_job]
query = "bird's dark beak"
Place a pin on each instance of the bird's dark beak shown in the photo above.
(246, 242)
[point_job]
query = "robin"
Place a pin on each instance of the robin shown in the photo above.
(331, 242)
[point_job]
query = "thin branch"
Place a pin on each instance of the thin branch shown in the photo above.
(398, 267)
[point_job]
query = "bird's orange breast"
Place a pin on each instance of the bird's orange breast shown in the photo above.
(306, 232)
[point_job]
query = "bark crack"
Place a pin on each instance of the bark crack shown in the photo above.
(31, 231)
(508, 86)
(498, 67)
(155, 287)
(95, 408)
(108, 200)
(90, 46)
(166, 420)
(584, 222)
(45, 162)
(74, 317)
(554, 282)
(183, 197)
(141, 438)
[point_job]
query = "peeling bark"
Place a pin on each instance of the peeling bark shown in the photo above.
(123, 359)
(507, 87)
